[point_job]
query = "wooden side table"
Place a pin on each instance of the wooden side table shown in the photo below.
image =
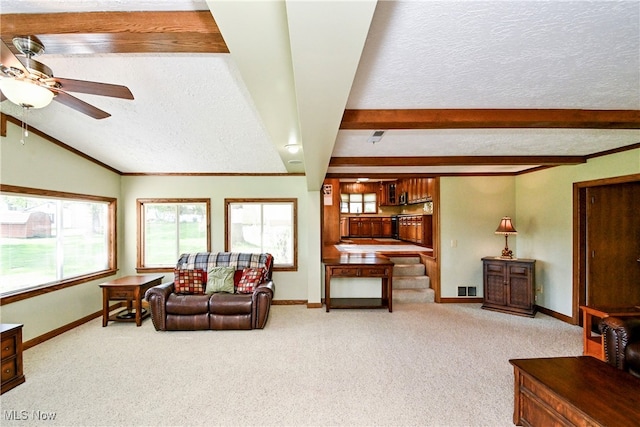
(592, 344)
(130, 289)
(12, 374)
(359, 266)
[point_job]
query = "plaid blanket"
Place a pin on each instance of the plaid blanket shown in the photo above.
(237, 260)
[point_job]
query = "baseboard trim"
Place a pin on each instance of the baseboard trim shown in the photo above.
(460, 300)
(297, 302)
(289, 302)
(62, 329)
(556, 315)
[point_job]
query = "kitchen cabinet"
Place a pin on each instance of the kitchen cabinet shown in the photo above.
(416, 229)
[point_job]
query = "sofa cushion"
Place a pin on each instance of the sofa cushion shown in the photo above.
(232, 304)
(187, 304)
(189, 281)
(220, 279)
(251, 277)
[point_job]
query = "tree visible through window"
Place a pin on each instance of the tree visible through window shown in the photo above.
(169, 228)
(50, 238)
(263, 225)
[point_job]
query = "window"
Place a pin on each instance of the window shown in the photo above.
(53, 239)
(358, 203)
(263, 225)
(168, 228)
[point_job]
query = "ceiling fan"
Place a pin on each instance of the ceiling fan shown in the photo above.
(31, 84)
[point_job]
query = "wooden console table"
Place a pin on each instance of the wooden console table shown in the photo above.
(592, 344)
(12, 374)
(574, 391)
(359, 266)
(130, 289)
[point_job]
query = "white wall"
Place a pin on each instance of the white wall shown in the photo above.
(43, 165)
(544, 214)
(470, 210)
(290, 285)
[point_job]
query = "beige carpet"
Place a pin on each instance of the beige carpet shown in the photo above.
(423, 364)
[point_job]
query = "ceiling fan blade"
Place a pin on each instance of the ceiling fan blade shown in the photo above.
(94, 88)
(79, 105)
(9, 59)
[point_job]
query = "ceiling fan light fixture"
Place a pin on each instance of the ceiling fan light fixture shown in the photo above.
(25, 93)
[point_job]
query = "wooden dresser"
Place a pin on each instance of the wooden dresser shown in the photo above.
(11, 356)
(509, 285)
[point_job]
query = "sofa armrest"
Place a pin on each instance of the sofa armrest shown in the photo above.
(157, 299)
(617, 333)
(261, 303)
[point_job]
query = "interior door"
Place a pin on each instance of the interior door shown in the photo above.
(613, 245)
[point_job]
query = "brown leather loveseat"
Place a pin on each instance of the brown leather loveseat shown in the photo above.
(621, 337)
(195, 300)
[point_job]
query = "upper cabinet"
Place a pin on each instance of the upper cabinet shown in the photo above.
(407, 191)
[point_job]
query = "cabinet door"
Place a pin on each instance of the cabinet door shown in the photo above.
(365, 227)
(495, 289)
(386, 227)
(354, 227)
(520, 292)
(376, 227)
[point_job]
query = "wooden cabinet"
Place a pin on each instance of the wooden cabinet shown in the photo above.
(509, 285)
(416, 229)
(368, 226)
(11, 356)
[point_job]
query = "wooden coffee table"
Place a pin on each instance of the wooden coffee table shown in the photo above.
(130, 289)
(568, 391)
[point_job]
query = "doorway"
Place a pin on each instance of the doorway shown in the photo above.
(606, 243)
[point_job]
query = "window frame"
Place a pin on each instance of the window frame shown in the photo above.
(112, 249)
(140, 204)
(362, 203)
(294, 204)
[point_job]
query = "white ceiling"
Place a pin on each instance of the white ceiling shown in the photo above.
(295, 66)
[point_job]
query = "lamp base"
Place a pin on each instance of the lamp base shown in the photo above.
(507, 253)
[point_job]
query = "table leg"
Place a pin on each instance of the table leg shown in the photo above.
(105, 307)
(390, 293)
(327, 289)
(138, 303)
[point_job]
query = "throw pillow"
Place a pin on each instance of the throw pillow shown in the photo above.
(251, 277)
(189, 281)
(220, 279)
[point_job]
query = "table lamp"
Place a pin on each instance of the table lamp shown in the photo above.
(506, 227)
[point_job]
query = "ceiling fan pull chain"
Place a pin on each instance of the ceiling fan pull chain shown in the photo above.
(25, 125)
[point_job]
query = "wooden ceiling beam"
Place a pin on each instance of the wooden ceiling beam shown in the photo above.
(454, 161)
(118, 32)
(490, 118)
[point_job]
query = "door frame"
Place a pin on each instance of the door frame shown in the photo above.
(580, 237)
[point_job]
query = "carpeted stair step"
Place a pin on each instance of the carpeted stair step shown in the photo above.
(401, 270)
(411, 282)
(413, 295)
(405, 260)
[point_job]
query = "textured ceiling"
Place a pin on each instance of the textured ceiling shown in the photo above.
(295, 66)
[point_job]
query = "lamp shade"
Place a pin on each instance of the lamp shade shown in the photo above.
(26, 93)
(506, 226)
